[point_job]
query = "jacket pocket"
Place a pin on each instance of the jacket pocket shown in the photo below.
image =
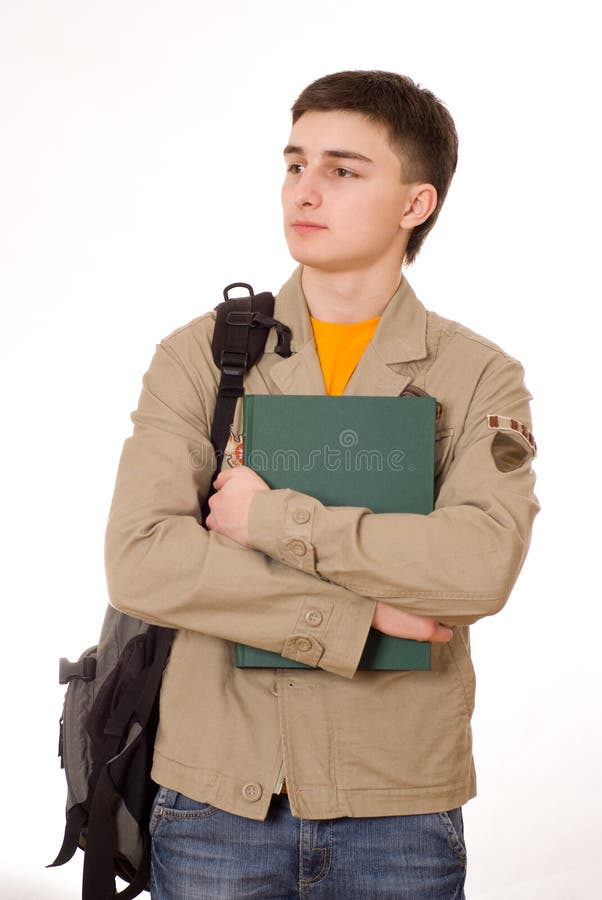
(443, 443)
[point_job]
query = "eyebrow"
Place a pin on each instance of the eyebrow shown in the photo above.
(330, 154)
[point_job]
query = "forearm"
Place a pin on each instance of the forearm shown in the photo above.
(178, 575)
(455, 565)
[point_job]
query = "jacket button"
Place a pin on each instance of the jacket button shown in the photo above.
(298, 548)
(314, 617)
(303, 644)
(301, 516)
(252, 791)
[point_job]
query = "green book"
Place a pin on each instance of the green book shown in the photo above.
(374, 452)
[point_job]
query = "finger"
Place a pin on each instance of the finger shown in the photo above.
(442, 634)
(409, 625)
(429, 630)
(222, 478)
(228, 474)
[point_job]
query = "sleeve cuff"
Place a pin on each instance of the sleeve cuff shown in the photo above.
(280, 525)
(331, 635)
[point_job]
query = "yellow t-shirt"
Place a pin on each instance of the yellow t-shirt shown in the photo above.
(340, 346)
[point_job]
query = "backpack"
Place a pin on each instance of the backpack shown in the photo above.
(111, 708)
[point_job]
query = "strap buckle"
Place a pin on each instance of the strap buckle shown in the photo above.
(233, 363)
(84, 669)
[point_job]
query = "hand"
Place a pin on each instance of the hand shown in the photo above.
(407, 625)
(229, 506)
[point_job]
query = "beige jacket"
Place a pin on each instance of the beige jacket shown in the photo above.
(350, 743)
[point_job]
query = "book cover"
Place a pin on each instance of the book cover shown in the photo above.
(373, 452)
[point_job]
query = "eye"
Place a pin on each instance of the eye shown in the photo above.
(294, 168)
(344, 173)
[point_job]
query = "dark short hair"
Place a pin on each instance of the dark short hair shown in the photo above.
(420, 128)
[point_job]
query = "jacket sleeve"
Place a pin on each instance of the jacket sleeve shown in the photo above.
(164, 567)
(457, 564)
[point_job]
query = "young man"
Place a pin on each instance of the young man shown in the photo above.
(329, 782)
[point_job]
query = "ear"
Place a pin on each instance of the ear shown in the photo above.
(421, 203)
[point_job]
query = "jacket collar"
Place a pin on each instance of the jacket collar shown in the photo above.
(399, 338)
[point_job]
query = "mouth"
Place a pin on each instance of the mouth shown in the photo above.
(302, 227)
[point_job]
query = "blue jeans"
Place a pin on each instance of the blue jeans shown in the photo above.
(203, 853)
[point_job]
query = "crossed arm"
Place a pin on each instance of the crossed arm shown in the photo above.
(404, 574)
(453, 566)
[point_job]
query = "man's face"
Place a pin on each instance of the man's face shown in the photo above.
(343, 196)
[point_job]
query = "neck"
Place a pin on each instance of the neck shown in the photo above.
(348, 297)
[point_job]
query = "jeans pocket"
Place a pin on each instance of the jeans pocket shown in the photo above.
(454, 828)
(170, 806)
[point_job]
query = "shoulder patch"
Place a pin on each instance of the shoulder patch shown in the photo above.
(505, 423)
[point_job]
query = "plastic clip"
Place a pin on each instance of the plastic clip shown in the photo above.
(84, 669)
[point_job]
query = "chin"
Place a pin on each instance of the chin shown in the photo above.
(305, 257)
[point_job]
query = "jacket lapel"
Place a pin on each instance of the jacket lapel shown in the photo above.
(373, 377)
(400, 338)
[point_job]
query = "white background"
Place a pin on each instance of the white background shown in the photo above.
(140, 164)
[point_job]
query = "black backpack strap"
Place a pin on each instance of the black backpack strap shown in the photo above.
(76, 819)
(241, 328)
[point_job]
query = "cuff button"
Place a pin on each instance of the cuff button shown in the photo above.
(303, 644)
(301, 516)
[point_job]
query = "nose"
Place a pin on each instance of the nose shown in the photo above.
(307, 194)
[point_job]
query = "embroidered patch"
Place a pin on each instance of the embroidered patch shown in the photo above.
(505, 423)
(234, 449)
(509, 453)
